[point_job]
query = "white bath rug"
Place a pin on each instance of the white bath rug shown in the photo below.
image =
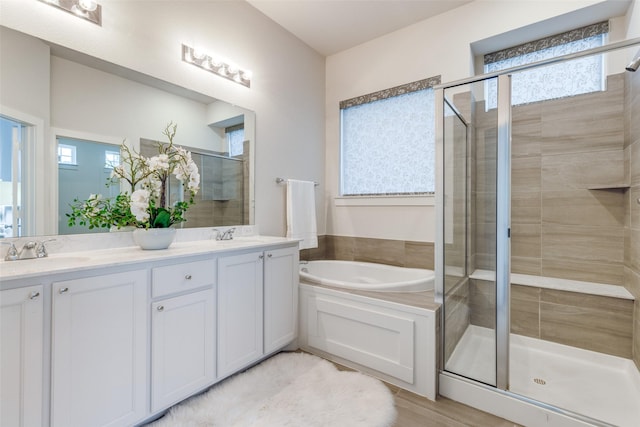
(288, 390)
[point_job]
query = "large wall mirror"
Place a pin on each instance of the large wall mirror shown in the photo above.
(91, 108)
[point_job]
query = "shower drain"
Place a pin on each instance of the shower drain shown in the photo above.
(539, 381)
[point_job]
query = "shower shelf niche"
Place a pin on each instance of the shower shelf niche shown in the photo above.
(616, 186)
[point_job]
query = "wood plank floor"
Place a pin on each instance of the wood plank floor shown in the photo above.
(417, 411)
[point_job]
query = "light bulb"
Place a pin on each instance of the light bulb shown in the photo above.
(232, 69)
(198, 54)
(88, 5)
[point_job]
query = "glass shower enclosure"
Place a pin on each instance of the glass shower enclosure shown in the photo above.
(493, 157)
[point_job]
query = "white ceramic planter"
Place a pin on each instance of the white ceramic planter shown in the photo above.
(154, 238)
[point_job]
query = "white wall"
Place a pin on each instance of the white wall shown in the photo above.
(20, 56)
(287, 89)
(88, 100)
(437, 46)
(633, 21)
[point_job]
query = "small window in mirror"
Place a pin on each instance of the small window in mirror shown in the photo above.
(111, 159)
(66, 154)
(235, 140)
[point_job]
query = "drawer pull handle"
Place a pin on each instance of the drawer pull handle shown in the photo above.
(160, 308)
(34, 295)
(188, 277)
(63, 290)
(270, 255)
(261, 257)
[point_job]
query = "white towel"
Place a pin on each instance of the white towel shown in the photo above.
(301, 213)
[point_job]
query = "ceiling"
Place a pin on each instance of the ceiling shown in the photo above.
(331, 26)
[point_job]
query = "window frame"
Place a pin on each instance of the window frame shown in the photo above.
(107, 163)
(74, 159)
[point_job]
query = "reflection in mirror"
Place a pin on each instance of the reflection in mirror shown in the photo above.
(223, 184)
(10, 181)
(92, 100)
(84, 168)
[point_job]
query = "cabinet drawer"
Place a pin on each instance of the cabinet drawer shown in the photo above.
(182, 277)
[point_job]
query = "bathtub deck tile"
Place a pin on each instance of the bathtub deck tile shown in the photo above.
(419, 255)
(381, 251)
(340, 247)
(424, 299)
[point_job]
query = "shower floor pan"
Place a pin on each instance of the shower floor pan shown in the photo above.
(599, 386)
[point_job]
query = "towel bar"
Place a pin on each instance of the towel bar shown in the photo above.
(281, 180)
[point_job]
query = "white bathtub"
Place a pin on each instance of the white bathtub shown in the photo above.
(366, 276)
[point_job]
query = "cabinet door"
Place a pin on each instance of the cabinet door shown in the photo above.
(182, 347)
(21, 356)
(99, 350)
(280, 298)
(239, 311)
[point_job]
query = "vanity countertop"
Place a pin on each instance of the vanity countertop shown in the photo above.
(78, 261)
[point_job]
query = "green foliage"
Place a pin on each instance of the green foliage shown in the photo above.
(97, 212)
(146, 206)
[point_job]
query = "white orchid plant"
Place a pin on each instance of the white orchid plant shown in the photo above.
(147, 206)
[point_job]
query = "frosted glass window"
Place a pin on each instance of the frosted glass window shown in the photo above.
(388, 146)
(235, 138)
(568, 78)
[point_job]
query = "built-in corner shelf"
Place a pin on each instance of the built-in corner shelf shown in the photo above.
(615, 186)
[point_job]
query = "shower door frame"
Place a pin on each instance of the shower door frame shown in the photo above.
(503, 223)
(503, 233)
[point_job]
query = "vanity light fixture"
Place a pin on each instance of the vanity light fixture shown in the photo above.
(216, 65)
(89, 10)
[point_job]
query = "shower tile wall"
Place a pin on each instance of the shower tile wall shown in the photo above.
(632, 206)
(560, 149)
(591, 322)
(561, 226)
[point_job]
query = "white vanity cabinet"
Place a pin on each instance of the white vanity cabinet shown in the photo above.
(114, 338)
(21, 356)
(182, 331)
(257, 306)
(240, 311)
(99, 350)
(280, 298)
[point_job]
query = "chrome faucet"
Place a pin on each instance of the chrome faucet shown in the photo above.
(30, 250)
(12, 252)
(224, 235)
